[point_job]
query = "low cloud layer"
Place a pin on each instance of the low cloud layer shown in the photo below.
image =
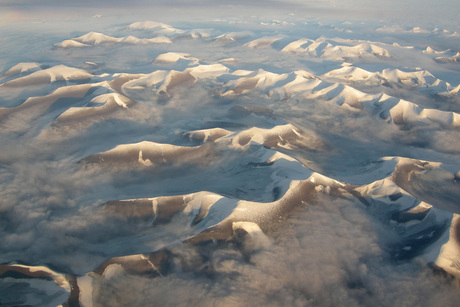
(327, 255)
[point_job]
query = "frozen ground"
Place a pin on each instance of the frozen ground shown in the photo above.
(221, 153)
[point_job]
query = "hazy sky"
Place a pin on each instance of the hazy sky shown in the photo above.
(416, 12)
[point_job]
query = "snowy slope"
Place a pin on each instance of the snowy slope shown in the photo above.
(221, 154)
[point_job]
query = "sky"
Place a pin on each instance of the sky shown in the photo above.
(405, 12)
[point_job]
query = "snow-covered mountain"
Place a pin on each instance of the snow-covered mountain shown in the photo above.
(222, 157)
